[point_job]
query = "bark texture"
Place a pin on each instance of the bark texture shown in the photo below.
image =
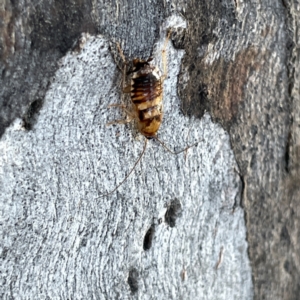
(217, 222)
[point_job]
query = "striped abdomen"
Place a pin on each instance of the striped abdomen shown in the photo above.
(146, 95)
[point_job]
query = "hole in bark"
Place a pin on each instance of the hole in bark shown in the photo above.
(284, 235)
(133, 280)
(83, 242)
(178, 37)
(173, 212)
(30, 116)
(4, 253)
(288, 267)
(148, 238)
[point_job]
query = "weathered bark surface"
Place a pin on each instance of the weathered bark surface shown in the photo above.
(220, 222)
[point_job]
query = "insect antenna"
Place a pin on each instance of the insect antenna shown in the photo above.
(171, 151)
(126, 177)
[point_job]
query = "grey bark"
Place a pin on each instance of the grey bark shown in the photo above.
(219, 221)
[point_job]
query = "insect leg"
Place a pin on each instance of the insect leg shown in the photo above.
(119, 122)
(130, 115)
(171, 151)
(126, 177)
(122, 106)
(121, 53)
(127, 88)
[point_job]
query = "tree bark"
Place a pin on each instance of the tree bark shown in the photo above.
(218, 221)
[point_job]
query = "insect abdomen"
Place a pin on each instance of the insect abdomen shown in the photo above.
(146, 95)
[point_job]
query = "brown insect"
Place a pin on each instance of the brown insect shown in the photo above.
(146, 93)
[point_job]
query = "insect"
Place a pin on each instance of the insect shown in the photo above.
(146, 93)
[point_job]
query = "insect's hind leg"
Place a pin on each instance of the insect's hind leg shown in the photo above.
(130, 115)
(122, 121)
(123, 107)
(130, 172)
(171, 151)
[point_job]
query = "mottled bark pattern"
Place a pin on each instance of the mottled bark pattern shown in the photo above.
(241, 66)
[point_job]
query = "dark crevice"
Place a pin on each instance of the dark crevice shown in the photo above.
(30, 116)
(148, 238)
(287, 152)
(242, 204)
(239, 199)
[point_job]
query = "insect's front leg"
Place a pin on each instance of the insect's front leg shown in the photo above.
(129, 114)
(122, 64)
(125, 88)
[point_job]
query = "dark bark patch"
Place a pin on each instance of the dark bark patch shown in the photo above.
(61, 26)
(285, 236)
(227, 84)
(4, 253)
(173, 212)
(194, 79)
(220, 87)
(133, 280)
